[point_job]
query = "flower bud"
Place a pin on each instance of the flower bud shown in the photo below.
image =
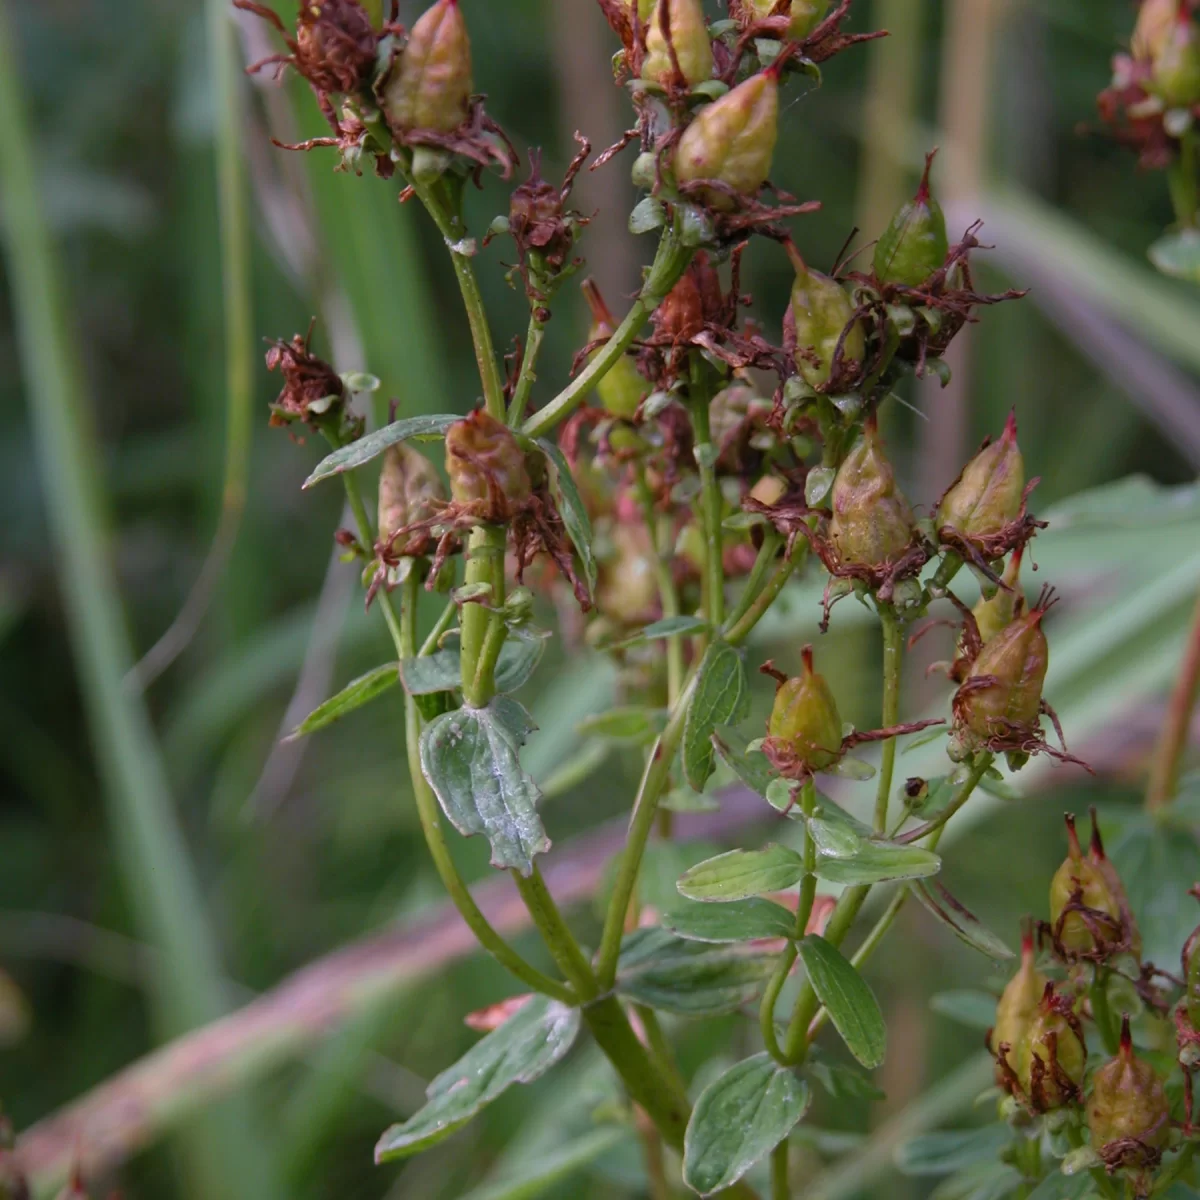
(804, 721)
(689, 37)
(622, 388)
(1175, 77)
(486, 466)
(1154, 21)
(430, 86)
(872, 524)
(804, 14)
(1128, 1105)
(821, 312)
(997, 613)
(1050, 1069)
(1018, 1005)
(1084, 914)
(410, 490)
(988, 494)
(732, 140)
(914, 245)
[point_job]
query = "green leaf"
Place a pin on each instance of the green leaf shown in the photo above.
(754, 769)
(722, 698)
(1178, 254)
(851, 1004)
(356, 454)
(944, 1153)
(631, 724)
(739, 874)
(987, 1180)
(526, 1046)
(442, 670)
(689, 978)
(843, 1082)
(571, 508)
(974, 1009)
(1057, 1186)
(667, 627)
(470, 759)
(877, 862)
(817, 484)
(535, 1177)
(648, 214)
(963, 923)
(737, 921)
(738, 1120)
(354, 695)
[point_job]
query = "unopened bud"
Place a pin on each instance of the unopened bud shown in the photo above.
(988, 494)
(486, 466)
(429, 86)
(804, 14)
(823, 316)
(1084, 914)
(1175, 77)
(914, 245)
(410, 490)
(997, 613)
(872, 522)
(1053, 1058)
(1018, 1004)
(732, 140)
(1129, 1105)
(804, 720)
(688, 35)
(621, 389)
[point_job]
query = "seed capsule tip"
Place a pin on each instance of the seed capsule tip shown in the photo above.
(1126, 1038)
(1097, 843)
(1073, 846)
(806, 655)
(922, 195)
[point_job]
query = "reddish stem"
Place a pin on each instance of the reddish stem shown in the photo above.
(1173, 740)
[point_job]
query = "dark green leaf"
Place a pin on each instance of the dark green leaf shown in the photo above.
(740, 874)
(738, 921)
(851, 1005)
(877, 862)
(964, 924)
(571, 508)
(843, 1082)
(975, 1010)
(722, 698)
(535, 1177)
(754, 770)
(1137, 501)
(354, 695)
(689, 978)
(374, 444)
(527, 1045)
(647, 215)
(667, 627)
(442, 670)
(633, 724)
(1057, 1186)
(738, 1120)
(943, 1153)
(470, 758)
(981, 1181)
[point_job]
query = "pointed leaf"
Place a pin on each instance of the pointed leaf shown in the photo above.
(442, 670)
(943, 1153)
(738, 1120)
(527, 1045)
(571, 508)
(666, 628)
(722, 698)
(962, 922)
(851, 1004)
(877, 862)
(356, 454)
(740, 874)
(753, 769)
(470, 759)
(738, 921)
(354, 695)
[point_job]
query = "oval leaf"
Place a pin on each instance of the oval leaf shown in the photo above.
(740, 874)
(739, 921)
(354, 695)
(722, 698)
(442, 670)
(666, 628)
(374, 444)
(738, 1120)
(942, 1153)
(834, 839)
(964, 924)
(470, 759)
(571, 508)
(851, 1005)
(877, 862)
(527, 1045)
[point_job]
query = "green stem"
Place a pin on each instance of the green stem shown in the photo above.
(779, 1172)
(668, 594)
(656, 1039)
(1103, 1184)
(893, 651)
(1102, 1013)
(711, 505)
(756, 580)
(430, 644)
(808, 885)
(1181, 180)
(670, 262)
(483, 626)
(1172, 1172)
(766, 1010)
(528, 375)
(1173, 739)
(740, 629)
(561, 943)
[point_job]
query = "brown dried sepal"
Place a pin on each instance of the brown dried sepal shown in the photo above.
(1110, 935)
(1133, 118)
(1037, 1099)
(479, 139)
(822, 42)
(744, 214)
(312, 392)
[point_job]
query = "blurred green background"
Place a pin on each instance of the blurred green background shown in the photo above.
(162, 857)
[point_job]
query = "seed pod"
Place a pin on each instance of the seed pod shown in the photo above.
(1004, 688)
(621, 389)
(988, 494)
(993, 615)
(872, 524)
(915, 244)
(1051, 1066)
(804, 720)
(1129, 1105)
(1190, 961)
(410, 490)
(644, 9)
(1175, 77)
(688, 36)
(732, 140)
(804, 14)
(430, 86)
(821, 312)
(487, 470)
(1153, 27)
(1131, 935)
(1080, 885)
(691, 303)
(1018, 1005)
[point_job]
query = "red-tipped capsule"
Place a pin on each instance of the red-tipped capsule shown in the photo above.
(429, 85)
(1084, 914)
(804, 721)
(988, 495)
(410, 490)
(1128, 1111)
(914, 245)
(1052, 1061)
(1017, 1006)
(995, 614)
(1116, 889)
(823, 320)
(683, 21)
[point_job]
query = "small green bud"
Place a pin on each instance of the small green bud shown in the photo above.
(622, 389)
(410, 490)
(1129, 1104)
(988, 494)
(689, 36)
(1052, 1060)
(645, 170)
(872, 523)
(914, 245)
(1175, 76)
(429, 86)
(486, 465)
(732, 140)
(1080, 881)
(804, 14)
(1018, 1005)
(804, 720)
(821, 312)
(995, 613)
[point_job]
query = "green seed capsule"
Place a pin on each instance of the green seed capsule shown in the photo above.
(486, 467)
(914, 245)
(1084, 882)
(872, 523)
(988, 494)
(805, 14)
(1175, 77)
(430, 86)
(1128, 1103)
(732, 140)
(820, 312)
(689, 36)
(1052, 1039)
(622, 389)
(805, 718)
(1004, 687)
(1018, 1005)
(644, 9)
(1130, 933)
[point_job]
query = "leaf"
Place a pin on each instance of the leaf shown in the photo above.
(981, 1181)
(526, 1046)
(648, 214)
(963, 923)
(470, 759)
(442, 670)
(843, 1082)
(754, 769)
(817, 484)
(944, 1153)
(877, 862)
(533, 1178)
(1057, 1186)
(356, 454)
(354, 695)
(924, 738)
(1132, 502)
(851, 1004)
(739, 874)
(737, 921)
(689, 978)
(974, 1009)
(722, 698)
(630, 724)
(667, 627)
(1178, 254)
(571, 508)
(738, 1120)
(851, 768)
